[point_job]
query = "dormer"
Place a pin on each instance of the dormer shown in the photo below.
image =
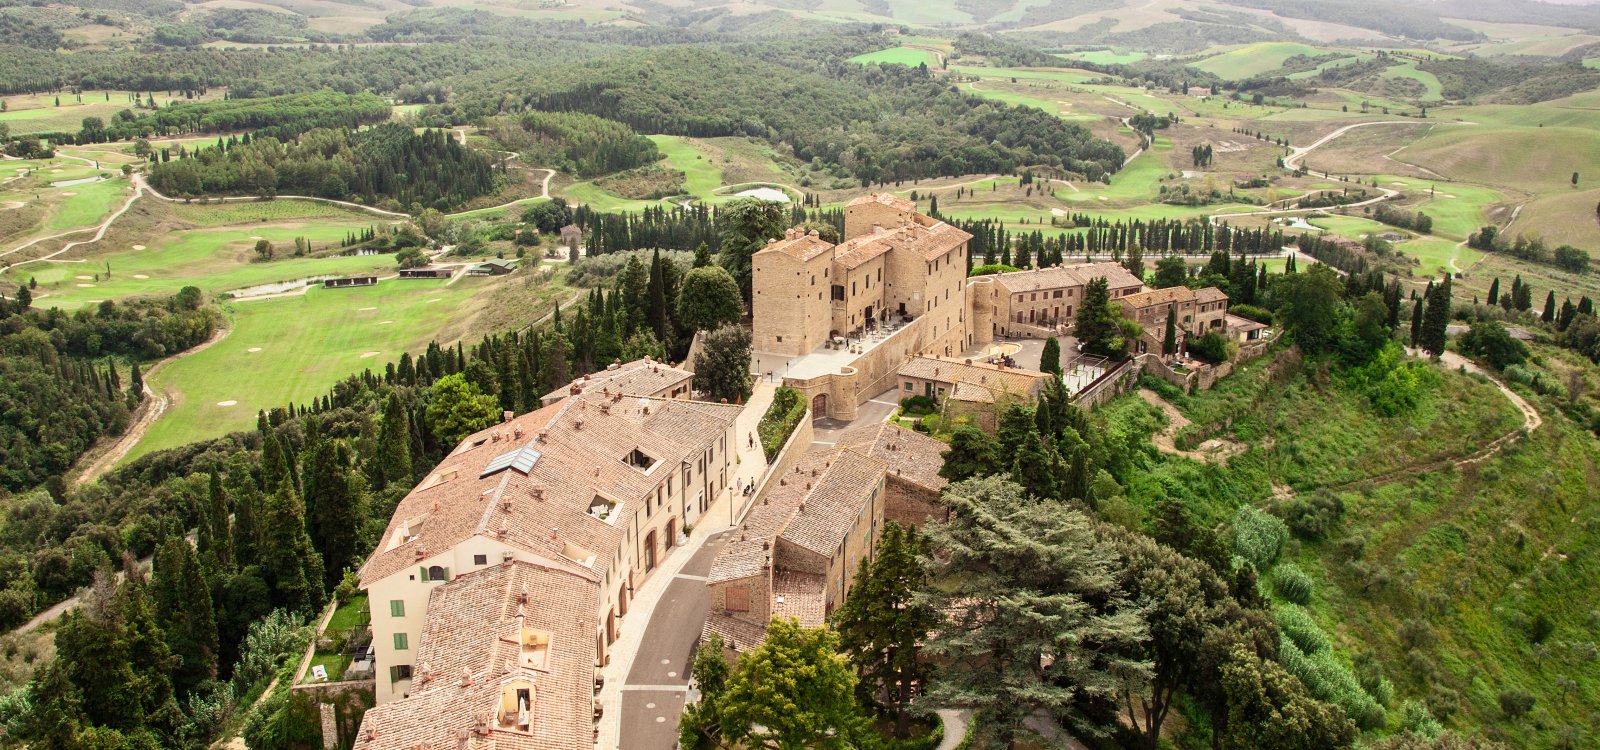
(534, 652)
(640, 460)
(514, 712)
(410, 529)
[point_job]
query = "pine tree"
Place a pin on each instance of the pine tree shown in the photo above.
(214, 532)
(882, 625)
(972, 453)
(274, 464)
(1034, 618)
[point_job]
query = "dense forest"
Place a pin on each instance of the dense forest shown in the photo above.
(389, 165)
(575, 143)
(61, 375)
(275, 116)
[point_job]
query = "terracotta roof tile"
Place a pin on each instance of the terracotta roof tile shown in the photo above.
(887, 199)
(641, 377)
(801, 596)
(1009, 380)
(801, 248)
(909, 455)
(1210, 294)
(473, 644)
(1154, 297)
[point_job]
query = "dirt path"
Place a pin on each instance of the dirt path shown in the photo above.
(155, 404)
(99, 232)
(1165, 440)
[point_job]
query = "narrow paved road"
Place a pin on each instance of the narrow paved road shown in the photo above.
(653, 693)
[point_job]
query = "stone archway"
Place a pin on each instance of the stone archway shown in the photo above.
(819, 406)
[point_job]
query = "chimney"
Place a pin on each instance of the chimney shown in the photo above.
(555, 533)
(537, 493)
(466, 677)
(507, 556)
(507, 415)
(518, 432)
(462, 738)
(577, 424)
(543, 434)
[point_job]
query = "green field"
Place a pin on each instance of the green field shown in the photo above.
(37, 113)
(304, 344)
(1059, 108)
(1107, 57)
(1430, 82)
(1254, 59)
(255, 212)
(216, 260)
(1304, 74)
(1532, 159)
(702, 178)
(1056, 75)
(898, 56)
(87, 205)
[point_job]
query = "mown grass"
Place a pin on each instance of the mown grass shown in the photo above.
(304, 345)
(254, 212)
(215, 260)
(898, 56)
(88, 204)
(1254, 59)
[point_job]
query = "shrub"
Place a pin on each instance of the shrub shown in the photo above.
(1327, 679)
(1258, 537)
(918, 405)
(992, 268)
(1516, 702)
(1540, 381)
(1292, 583)
(1300, 629)
(1416, 719)
(1162, 388)
(1214, 347)
(788, 408)
(1251, 312)
(1311, 518)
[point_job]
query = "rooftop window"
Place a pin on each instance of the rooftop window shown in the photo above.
(522, 459)
(640, 460)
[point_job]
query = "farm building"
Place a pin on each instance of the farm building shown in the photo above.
(344, 281)
(427, 272)
(496, 267)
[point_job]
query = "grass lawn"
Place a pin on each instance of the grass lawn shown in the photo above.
(1435, 256)
(295, 348)
(216, 260)
(336, 664)
(1254, 59)
(223, 214)
(86, 205)
(37, 113)
(898, 56)
(1538, 160)
(1056, 75)
(1107, 56)
(701, 175)
(1430, 82)
(1059, 108)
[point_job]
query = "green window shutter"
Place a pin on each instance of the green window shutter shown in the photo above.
(400, 642)
(446, 575)
(394, 674)
(422, 573)
(397, 608)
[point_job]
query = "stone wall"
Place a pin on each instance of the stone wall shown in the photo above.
(911, 504)
(1120, 379)
(798, 443)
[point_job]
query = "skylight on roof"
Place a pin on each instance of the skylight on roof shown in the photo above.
(522, 459)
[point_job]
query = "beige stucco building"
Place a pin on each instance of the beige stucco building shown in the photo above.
(597, 486)
(1196, 311)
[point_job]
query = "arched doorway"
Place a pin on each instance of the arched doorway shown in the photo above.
(650, 551)
(672, 532)
(819, 406)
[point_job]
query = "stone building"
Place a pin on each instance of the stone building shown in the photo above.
(1197, 312)
(798, 548)
(1042, 302)
(598, 485)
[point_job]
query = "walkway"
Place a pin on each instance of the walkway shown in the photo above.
(648, 677)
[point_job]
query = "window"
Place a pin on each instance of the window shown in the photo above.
(1058, 294)
(397, 608)
(435, 573)
(399, 672)
(908, 386)
(401, 642)
(480, 559)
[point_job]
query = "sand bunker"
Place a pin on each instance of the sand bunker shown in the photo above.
(384, 322)
(229, 402)
(365, 309)
(138, 247)
(140, 276)
(435, 299)
(253, 349)
(86, 286)
(85, 278)
(365, 355)
(67, 193)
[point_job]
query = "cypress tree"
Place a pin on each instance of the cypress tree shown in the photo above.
(1169, 340)
(184, 610)
(135, 384)
(1494, 292)
(274, 465)
(1050, 360)
(882, 626)
(246, 511)
(215, 532)
(292, 566)
(1549, 314)
(1436, 319)
(1416, 322)
(393, 460)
